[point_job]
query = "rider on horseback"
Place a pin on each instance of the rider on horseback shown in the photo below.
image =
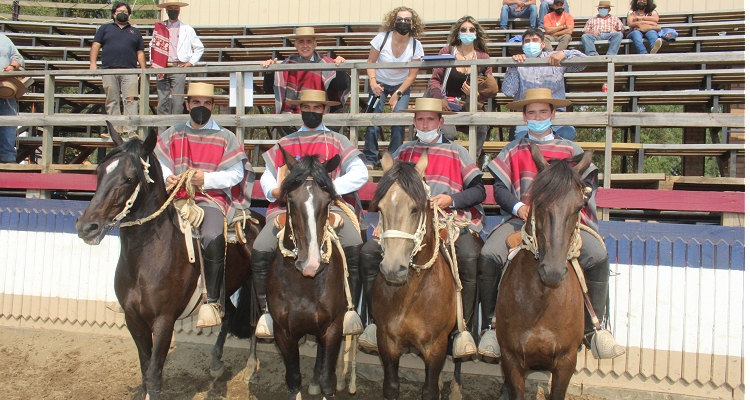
(514, 170)
(313, 138)
(455, 183)
(224, 174)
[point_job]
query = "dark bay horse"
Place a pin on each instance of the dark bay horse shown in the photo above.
(306, 293)
(154, 280)
(414, 295)
(540, 302)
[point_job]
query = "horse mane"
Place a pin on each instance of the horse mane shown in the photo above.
(133, 148)
(406, 176)
(554, 180)
(308, 166)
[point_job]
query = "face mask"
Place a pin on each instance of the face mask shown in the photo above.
(559, 11)
(429, 136)
(121, 17)
(467, 38)
(640, 6)
(532, 49)
(539, 126)
(311, 119)
(200, 115)
(173, 14)
(603, 12)
(403, 28)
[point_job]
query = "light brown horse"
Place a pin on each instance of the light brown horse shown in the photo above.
(411, 306)
(540, 301)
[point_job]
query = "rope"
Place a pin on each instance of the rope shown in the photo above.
(348, 211)
(183, 177)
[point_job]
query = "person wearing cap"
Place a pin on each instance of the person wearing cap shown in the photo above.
(514, 170)
(518, 9)
(558, 26)
(287, 85)
(122, 47)
(10, 61)
(455, 184)
(604, 26)
(174, 44)
(224, 173)
(522, 78)
(313, 138)
(545, 7)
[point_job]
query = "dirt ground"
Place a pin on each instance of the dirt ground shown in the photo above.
(47, 364)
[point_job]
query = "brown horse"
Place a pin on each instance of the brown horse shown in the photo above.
(540, 301)
(154, 280)
(306, 292)
(414, 296)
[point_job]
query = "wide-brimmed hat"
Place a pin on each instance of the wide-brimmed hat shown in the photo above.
(199, 89)
(168, 3)
(428, 104)
(538, 95)
(604, 4)
(303, 31)
(13, 87)
(312, 96)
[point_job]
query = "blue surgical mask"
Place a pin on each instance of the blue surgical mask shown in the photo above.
(467, 38)
(539, 126)
(532, 49)
(603, 12)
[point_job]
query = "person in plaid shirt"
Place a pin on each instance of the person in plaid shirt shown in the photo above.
(604, 26)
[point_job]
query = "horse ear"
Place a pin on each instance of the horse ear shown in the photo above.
(538, 158)
(114, 134)
(422, 164)
(585, 162)
(289, 160)
(149, 143)
(331, 164)
(386, 161)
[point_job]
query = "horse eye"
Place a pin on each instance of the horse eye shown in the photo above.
(414, 210)
(129, 181)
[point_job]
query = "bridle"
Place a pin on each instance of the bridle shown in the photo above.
(530, 241)
(328, 232)
(131, 199)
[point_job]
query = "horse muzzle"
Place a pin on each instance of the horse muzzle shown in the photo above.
(553, 275)
(92, 233)
(309, 268)
(394, 274)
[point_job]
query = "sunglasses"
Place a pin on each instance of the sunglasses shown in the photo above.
(400, 19)
(464, 30)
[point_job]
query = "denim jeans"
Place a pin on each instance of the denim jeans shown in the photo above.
(614, 39)
(8, 133)
(397, 132)
(121, 89)
(168, 90)
(545, 8)
(527, 12)
(637, 38)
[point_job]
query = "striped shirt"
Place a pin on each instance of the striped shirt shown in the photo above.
(520, 79)
(610, 23)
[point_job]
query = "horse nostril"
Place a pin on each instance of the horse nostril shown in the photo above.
(92, 228)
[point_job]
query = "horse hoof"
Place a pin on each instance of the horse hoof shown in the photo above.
(455, 391)
(340, 384)
(313, 390)
(215, 373)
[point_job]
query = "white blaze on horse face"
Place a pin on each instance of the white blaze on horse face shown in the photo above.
(111, 167)
(313, 250)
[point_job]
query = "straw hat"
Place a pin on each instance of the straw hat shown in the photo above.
(14, 88)
(304, 31)
(604, 4)
(199, 89)
(312, 96)
(538, 95)
(428, 104)
(168, 3)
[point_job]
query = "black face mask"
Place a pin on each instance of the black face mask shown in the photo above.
(121, 17)
(200, 115)
(403, 28)
(311, 119)
(640, 6)
(559, 11)
(173, 14)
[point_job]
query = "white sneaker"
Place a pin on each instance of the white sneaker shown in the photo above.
(657, 45)
(264, 328)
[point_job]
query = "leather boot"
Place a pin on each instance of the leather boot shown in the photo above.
(352, 320)
(260, 263)
(213, 268)
(370, 267)
(464, 343)
(601, 342)
(488, 277)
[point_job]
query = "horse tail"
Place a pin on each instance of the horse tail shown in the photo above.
(244, 320)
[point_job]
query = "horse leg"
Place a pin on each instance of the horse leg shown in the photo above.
(331, 343)
(253, 363)
(289, 348)
(314, 388)
(217, 366)
(515, 377)
(141, 334)
(163, 328)
(561, 377)
(390, 355)
(434, 359)
(456, 385)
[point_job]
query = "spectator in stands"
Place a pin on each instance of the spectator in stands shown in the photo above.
(174, 44)
(545, 7)
(558, 27)
(604, 26)
(467, 41)
(455, 184)
(313, 138)
(643, 20)
(518, 9)
(520, 79)
(10, 60)
(222, 170)
(287, 85)
(514, 171)
(122, 47)
(396, 42)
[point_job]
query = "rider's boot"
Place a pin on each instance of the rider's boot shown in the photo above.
(370, 266)
(488, 277)
(464, 344)
(352, 320)
(601, 342)
(210, 313)
(260, 263)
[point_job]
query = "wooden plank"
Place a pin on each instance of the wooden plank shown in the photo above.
(671, 200)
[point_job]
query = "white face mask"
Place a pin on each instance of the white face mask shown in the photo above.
(429, 136)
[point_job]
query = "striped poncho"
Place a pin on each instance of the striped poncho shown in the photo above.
(289, 84)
